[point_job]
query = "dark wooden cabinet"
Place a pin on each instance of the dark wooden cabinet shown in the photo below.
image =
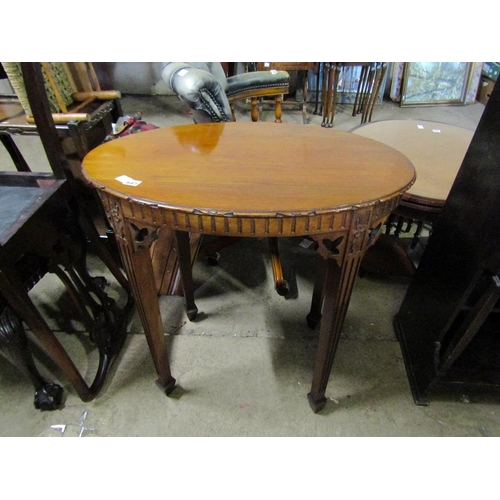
(449, 320)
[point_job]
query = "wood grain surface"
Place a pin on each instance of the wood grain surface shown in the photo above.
(435, 149)
(250, 168)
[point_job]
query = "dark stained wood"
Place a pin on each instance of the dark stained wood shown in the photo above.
(48, 229)
(451, 302)
(54, 232)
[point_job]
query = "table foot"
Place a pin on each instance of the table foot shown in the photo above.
(213, 259)
(191, 313)
(166, 387)
(316, 404)
(49, 397)
(313, 320)
(283, 289)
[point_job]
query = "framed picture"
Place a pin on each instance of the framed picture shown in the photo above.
(398, 69)
(435, 83)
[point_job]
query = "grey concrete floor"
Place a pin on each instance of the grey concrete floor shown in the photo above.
(244, 367)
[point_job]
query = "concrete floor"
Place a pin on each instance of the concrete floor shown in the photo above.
(244, 367)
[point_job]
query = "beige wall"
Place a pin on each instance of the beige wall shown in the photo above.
(134, 77)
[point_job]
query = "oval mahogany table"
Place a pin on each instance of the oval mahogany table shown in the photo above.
(249, 180)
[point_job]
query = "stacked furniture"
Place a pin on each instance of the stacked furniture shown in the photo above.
(46, 228)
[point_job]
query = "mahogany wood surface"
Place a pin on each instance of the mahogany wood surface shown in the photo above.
(250, 169)
(249, 180)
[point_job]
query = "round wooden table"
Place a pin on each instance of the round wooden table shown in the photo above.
(435, 149)
(249, 180)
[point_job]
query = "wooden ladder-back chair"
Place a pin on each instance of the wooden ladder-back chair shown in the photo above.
(70, 88)
(79, 107)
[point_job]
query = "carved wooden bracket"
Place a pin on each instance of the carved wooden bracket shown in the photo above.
(143, 236)
(331, 246)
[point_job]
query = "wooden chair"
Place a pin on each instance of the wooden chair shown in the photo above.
(52, 232)
(256, 86)
(211, 95)
(79, 107)
(301, 69)
(82, 113)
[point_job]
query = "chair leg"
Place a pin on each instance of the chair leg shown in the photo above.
(318, 75)
(211, 252)
(277, 108)
(14, 343)
(364, 90)
(335, 84)
(378, 83)
(280, 284)
(233, 115)
(359, 92)
(255, 109)
(330, 84)
(14, 152)
(327, 93)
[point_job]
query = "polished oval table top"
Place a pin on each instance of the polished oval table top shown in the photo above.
(250, 168)
(435, 149)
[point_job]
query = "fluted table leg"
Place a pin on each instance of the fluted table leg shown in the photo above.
(134, 243)
(338, 285)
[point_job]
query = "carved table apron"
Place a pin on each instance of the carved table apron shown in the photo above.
(249, 180)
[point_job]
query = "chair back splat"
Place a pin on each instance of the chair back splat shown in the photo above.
(34, 81)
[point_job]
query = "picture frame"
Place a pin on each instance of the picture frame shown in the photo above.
(431, 83)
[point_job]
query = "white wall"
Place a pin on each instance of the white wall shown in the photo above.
(136, 77)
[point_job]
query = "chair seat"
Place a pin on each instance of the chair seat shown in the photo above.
(248, 84)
